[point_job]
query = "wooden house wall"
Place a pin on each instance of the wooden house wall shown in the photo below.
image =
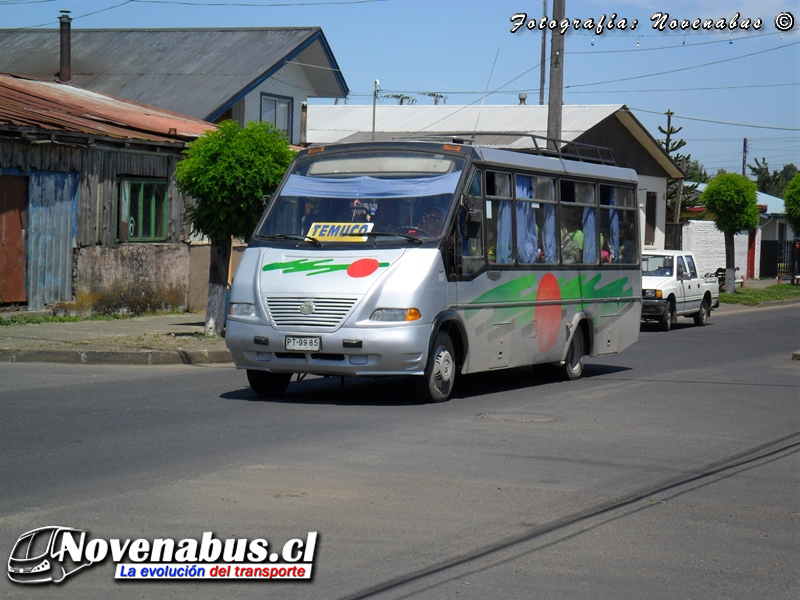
(628, 152)
(100, 170)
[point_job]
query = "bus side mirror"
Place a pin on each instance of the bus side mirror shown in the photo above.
(473, 223)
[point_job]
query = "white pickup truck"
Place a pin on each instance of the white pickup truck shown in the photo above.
(672, 287)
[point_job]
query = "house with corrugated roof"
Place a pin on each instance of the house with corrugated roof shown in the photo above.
(245, 74)
(611, 127)
(763, 253)
(89, 207)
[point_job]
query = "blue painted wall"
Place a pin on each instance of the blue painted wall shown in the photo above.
(52, 226)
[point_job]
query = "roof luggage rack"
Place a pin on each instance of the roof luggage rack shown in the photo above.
(541, 145)
(569, 150)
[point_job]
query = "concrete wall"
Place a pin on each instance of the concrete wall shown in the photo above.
(708, 245)
(161, 268)
(659, 186)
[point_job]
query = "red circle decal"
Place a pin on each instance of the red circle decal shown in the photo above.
(548, 317)
(363, 267)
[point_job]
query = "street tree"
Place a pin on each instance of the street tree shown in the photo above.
(680, 196)
(773, 183)
(228, 172)
(791, 204)
(732, 200)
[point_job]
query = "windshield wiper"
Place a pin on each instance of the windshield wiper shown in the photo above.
(410, 238)
(292, 236)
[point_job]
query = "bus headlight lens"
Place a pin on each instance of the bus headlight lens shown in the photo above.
(395, 314)
(241, 310)
(652, 293)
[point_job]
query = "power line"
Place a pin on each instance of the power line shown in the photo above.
(683, 45)
(654, 112)
(716, 62)
(80, 16)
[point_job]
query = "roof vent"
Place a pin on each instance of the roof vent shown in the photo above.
(65, 74)
(522, 99)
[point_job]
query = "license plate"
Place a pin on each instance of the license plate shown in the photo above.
(303, 344)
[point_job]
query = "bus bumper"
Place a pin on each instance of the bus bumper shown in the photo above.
(400, 349)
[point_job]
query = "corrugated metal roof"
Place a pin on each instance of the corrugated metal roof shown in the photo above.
(53, 106)
(328, 124)
(508, 126)
(196, 72)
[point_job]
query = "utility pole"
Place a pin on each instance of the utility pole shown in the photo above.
(556, 100)
(375, 89)
(744, 158)
(544, 56)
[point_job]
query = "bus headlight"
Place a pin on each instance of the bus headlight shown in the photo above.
(395, 314)
(240, 309)
(652, 293)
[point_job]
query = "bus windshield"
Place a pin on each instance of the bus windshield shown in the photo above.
(355, 196)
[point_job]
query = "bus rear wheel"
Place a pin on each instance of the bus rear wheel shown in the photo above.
(436, 384)
(573, 363)
(268, 385)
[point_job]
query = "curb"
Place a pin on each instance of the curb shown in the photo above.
(99, 357)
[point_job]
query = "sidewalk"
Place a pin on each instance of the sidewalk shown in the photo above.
(159, 340)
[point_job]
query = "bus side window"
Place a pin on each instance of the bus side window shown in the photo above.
(498, 218)
(469, 237)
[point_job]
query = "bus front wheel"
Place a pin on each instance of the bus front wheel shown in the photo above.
(440, 373)
(268, 385)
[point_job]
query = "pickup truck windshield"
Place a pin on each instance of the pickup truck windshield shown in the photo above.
(657, 266)
(334, 198)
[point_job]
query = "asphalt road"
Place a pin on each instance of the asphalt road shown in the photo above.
(668, 471)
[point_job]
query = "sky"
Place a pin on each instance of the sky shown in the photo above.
(722, 85)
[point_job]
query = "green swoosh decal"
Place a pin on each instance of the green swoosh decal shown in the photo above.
(310, 267)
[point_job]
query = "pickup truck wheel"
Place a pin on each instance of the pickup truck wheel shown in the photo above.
(440, 374)
(573, 364)
(702, 315)
(665, 323)
(268, 385)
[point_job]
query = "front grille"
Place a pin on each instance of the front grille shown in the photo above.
(328, 312)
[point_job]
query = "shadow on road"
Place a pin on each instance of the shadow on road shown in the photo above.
(399, 391)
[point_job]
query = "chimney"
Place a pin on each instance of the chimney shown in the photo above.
(65, 74)
(522, 99)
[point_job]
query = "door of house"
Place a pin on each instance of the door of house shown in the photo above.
(12, 239)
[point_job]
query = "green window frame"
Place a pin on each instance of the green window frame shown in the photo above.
(143, 210)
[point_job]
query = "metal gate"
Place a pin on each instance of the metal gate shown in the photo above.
(779, 258)
(13, 198)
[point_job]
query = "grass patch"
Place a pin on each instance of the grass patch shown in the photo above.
(754, 297)
(21, 320)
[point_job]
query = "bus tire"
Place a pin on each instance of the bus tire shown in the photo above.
(268, 385)
(436, 384)
(573, 363)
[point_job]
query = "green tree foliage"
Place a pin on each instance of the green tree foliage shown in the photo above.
(791, 203)
(732, 199)
(228, 172)
(774, 183)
